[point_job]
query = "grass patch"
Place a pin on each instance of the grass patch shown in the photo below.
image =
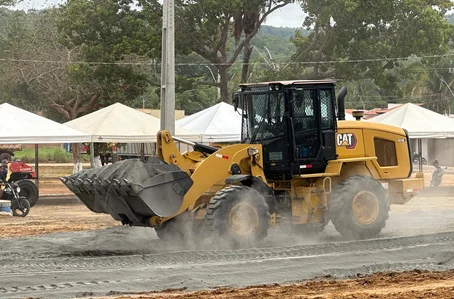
(47, 154)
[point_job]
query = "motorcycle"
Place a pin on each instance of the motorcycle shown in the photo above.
(437, 176)
(19, 204)
(417, 157)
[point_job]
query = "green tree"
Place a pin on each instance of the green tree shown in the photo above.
(80, 57)
(438, 78)
(355, 39)
(247, 20)
(123, 42)
(363, 94)
(204, 27)
(7, 2)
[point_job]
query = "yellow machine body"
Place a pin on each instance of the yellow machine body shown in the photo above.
(365, 148)
(361, 168)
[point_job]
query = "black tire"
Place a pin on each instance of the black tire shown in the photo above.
(424, 161)
(6, 156)
(415, 160)
(221, 214)
(29, 191)
(20, 207)
(361, 190)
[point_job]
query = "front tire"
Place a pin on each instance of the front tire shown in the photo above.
(237, 216)
(20, 207)
(358, 207)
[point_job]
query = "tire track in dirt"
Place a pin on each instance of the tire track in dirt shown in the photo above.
(87, 260)
(66, 285)
(62, 286)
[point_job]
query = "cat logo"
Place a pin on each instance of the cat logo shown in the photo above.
(347, 139)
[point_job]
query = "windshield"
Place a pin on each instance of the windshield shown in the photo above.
(265, 119)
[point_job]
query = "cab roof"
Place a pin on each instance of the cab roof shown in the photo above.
(292, 82)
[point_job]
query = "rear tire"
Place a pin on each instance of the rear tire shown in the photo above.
(237, 216)
(5, 156)
(358, 207)
(28, 190)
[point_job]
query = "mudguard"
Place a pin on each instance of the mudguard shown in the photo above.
(257, 184)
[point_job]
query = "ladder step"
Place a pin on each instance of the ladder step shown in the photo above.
(318, 191)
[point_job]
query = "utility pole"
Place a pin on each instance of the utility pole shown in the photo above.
(168, 67)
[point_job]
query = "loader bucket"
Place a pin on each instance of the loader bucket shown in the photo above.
(131, 191)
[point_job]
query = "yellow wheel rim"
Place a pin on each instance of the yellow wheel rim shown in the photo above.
(365, 207)
(243, 219)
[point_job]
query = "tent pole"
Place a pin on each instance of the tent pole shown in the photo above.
(142, 151)
(420, 154)
(92, 155)
(36, 168)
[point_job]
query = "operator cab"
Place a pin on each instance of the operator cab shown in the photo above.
(294, 121)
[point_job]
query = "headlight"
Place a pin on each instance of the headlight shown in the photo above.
(18, 189)
(252, 151)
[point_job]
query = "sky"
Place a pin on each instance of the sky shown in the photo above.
(288, 16)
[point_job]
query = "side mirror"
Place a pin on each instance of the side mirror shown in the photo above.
(236, 100)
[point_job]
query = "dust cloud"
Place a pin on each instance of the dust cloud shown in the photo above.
(421, 215)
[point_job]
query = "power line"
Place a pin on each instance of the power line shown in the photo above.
(223, 64)
(396, 96)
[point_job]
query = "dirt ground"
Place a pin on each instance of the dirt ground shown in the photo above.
(412, 284)
(45, 219)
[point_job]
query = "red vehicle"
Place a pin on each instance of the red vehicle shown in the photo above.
(21, 173)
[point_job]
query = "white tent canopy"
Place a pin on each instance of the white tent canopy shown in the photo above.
(348, 116)
(218, 123)
(120, 123)
(22, 127)
(418, 121)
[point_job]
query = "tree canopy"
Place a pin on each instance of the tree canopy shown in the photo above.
(85, 54)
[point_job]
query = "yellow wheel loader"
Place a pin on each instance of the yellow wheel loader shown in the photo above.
(300, 165)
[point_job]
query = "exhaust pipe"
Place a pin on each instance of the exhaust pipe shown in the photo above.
(341, 103)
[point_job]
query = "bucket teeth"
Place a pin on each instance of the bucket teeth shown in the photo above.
(128, 187)
(88, 185)
(131, 190)
(82, 186)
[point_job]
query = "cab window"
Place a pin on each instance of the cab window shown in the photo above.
(385, 151)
